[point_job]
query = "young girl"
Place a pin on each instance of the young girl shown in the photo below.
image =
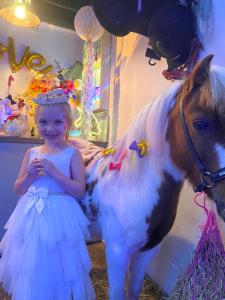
(44, 254)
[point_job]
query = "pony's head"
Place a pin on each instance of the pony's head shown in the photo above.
(196, 131)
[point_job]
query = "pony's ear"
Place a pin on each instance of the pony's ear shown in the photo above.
(201, 71)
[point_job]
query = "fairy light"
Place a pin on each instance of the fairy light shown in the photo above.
(79, 120)
(91, 132)
(91, 93)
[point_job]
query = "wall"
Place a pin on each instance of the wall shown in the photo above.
(52, 42)
(133, 84)
(133, 81)
(11, 155)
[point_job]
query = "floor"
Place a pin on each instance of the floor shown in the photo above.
(99, 278)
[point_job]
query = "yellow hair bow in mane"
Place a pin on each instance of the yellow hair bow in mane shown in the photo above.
(109, 150)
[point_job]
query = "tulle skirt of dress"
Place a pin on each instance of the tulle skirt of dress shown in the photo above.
(44, 255)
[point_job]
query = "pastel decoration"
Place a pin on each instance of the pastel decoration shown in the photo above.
(141, 148)
(87, 25)
(109, 150)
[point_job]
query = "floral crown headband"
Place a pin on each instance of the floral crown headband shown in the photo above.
(56, 96)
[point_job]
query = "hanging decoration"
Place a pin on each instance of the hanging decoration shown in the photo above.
(89, 29)
(87, 25)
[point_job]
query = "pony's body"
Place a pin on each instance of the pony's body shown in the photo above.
(135, 206)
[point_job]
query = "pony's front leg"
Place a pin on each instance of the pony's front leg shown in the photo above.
(117, 259)
(138, 266)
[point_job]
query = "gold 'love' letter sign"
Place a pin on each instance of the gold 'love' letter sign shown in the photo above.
(31, 61)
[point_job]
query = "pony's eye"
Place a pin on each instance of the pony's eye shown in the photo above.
(201, 125)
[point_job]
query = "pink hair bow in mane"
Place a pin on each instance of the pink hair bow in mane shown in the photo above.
(117, 166)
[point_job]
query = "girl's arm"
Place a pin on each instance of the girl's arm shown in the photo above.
(27, 174)
(75, 185)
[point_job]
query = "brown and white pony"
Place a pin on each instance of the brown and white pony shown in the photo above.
(132, 199)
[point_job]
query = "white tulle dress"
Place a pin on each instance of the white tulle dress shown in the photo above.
(44, 254)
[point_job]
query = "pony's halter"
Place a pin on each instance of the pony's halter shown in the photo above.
(208, 180)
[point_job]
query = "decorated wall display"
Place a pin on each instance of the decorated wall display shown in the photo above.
(90, 30)
(78, 81)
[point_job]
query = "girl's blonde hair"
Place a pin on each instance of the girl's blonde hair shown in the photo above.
(67, 113)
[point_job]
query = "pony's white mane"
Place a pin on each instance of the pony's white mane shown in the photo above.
(150, 125)
(212, 92)
(217, 81)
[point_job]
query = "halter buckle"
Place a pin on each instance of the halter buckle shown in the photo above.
(207, 180)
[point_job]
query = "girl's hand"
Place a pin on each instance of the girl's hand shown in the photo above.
(48, 167)
(34, 168)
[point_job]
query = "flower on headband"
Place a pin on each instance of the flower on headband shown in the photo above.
(56, 96)
(10, 118)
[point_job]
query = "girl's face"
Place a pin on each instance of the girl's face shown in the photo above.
(51, 123)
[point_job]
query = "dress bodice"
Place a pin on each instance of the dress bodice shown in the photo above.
(61, 161)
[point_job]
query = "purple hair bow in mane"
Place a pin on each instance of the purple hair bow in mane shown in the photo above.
(141, 148)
